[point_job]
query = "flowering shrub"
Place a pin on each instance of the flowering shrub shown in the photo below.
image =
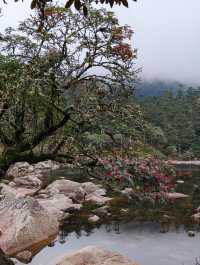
(145, 176)
(123, 50)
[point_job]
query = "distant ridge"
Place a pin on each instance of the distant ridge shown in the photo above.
(157, 88)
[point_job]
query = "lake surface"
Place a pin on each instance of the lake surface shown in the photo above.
(143, 241)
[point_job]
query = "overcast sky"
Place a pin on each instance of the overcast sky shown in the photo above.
(167, 35)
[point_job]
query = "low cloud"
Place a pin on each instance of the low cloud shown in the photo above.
(167, 35)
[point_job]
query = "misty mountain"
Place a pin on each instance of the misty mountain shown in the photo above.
(157, 88)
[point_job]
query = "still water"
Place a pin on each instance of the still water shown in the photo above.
(142, 242)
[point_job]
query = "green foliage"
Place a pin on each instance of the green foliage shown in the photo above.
(173, 122)
(66, 87)
(155, 135)
(95, 139)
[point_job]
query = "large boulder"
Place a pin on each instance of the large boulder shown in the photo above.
(58, 204)
(15, 191)
(19, 169)
(25, 181)
(7, 191)
(95, 256)
(66, 187)
(95, 193)
(23, 169)
(28, 179)
(22, 186)
(78, 192)
(90, 187)
(47, 165)
(24, 223)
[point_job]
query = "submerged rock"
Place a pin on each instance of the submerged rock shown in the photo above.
(95, 256)
(24, 222)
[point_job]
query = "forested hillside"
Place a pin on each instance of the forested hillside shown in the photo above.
(174, 122)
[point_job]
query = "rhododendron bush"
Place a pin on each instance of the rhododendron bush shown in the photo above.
(145, 176)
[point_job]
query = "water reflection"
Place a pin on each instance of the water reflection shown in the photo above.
(142, 242)
(156, 236)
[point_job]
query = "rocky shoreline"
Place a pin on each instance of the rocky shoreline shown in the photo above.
(30, 213)
(32, 210)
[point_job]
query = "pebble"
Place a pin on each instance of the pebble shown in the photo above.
(191, 233)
